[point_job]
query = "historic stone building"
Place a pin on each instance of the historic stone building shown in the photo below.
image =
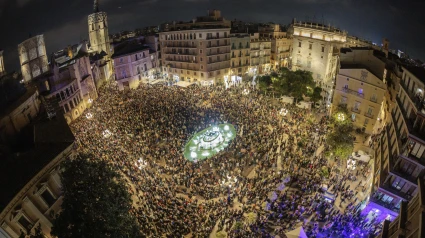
(70, 81)
(240, 59)
(133, 65)
(33, 58)
(197, 51)
(315, 48)
(260, 54)
(32, 194)
(98, 31)
(280, 47)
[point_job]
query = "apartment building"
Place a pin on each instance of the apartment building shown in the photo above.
(240, 56)
(360, 84)
(400, 147)
(280, 45)
(410, 222)
(315, 48)
(133, 65)
(260, 54)
(197, 51)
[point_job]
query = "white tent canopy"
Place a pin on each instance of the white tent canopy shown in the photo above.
(297, 233)
(183, 84)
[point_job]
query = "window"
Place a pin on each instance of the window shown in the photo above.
(121, 60)
(323, 49)
(225, 34)
(298, 62)
(25, 223)
(360, 91)
(201, 59)
(310, 46)
(299, 44)
(343, 100)
(48, 197)
(366, 121)
(369, 111)
(200, 51)
(202, 74)
(202, 67)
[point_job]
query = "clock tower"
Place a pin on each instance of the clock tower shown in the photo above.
(98, 30)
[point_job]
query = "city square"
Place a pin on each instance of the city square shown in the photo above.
(245, 119)
(262, 171)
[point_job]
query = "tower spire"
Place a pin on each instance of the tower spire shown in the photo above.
(96, 6)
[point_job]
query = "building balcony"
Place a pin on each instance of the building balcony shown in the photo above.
(355, 109)
(386, 205)
(219, 53)
(397, 171)
(255, 49)
(183, 61)
(219, 61)
(181, 46)
(390, 189)
(353, 92)
(220, 45)
(418, 102)
(413, 124)
(180, 53)
(217, 38)
(370, 115)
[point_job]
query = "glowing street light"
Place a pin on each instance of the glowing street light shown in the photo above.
(193, 154)
(341, 116)
(106, 133)
(90, 100)
(283, 112)
(226, 127)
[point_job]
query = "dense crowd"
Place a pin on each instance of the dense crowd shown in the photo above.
(276, 161)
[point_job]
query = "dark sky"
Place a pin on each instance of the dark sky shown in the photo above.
(64, 22)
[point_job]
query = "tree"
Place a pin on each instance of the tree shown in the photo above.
(96, 202)
(340, 139)
(316, 95)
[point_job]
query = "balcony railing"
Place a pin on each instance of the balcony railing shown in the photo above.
(403, 174)
(180, 53)
(217, 38)
(418, 101)
(410, 122)
(387, 187)
(219, 45)
(354, 92)
(389, 206)
(218, 53)
(355, 109)
(180, 46)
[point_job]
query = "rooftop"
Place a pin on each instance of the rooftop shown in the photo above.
(128, 48)
(419, 72)
(48, 138)
(358, 66)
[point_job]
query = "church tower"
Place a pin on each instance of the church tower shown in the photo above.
(98, 30)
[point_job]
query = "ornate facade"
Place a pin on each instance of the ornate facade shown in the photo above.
(33, 58)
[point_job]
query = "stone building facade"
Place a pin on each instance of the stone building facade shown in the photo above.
(315, 48)
(33, 58)
(198, 51)
(240, 56)
(133, 65)
(260, 54)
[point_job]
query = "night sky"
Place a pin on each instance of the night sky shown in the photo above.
(64, 22)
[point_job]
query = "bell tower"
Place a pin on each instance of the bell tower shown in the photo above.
(98, 30)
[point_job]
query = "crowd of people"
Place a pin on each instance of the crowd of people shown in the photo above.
(275, 162)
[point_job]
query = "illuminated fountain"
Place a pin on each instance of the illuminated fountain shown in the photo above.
(209, 142)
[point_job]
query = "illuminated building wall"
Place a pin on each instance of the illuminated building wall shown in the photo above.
(400, 147)
(133, 65)
(240, 51)
(411, 219)
(197, 51)
(280, 45)
(260, 54)
(315, 48)
(33, 58)
(363, 94)
(98, 31)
